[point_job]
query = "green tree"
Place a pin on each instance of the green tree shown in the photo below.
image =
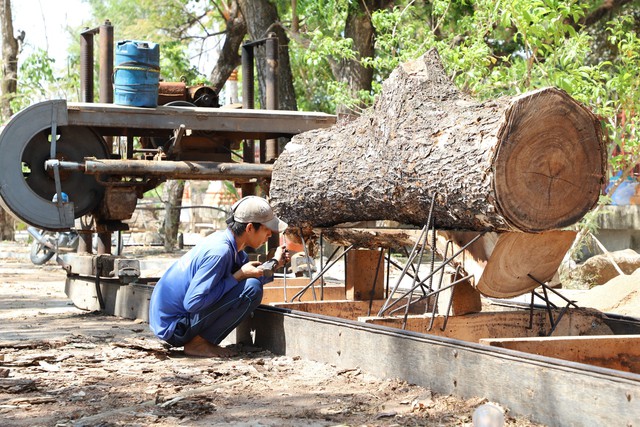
(10, 50)
(166, 22)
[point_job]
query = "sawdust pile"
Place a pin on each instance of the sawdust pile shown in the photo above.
(620, 295)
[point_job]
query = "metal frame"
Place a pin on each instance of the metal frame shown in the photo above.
(549, 306)
(529, 385)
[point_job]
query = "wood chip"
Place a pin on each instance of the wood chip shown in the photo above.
(17, 385)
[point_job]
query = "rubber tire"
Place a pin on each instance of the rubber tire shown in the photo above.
(40, 254)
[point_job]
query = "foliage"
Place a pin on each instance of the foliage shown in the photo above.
(166, 22)
(318, 40)
(490, 48)
(36, 79)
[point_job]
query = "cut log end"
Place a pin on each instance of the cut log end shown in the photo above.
(518, 255)
(546, 175)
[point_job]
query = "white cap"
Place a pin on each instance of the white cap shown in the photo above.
(256, 209)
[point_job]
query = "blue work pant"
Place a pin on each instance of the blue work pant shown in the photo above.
(215, 322)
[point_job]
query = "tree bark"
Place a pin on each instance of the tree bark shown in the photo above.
(7, 225)
(8, 89)
(262, 18)
(531, 163)
(173, 190)
(10, 46)
(229, 58)
(359, 28)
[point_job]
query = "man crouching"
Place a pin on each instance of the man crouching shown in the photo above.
(204, 295)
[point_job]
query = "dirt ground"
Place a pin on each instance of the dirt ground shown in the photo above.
(60, 366)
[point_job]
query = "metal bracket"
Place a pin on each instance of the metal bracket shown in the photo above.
(65, 209)
(549, 305)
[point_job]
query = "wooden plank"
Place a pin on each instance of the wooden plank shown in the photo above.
(361, 282)
(272, 294)
(549, 391)
(343, 309)
(621, 352)
(278, 282)
(351, 310)
(474, 327)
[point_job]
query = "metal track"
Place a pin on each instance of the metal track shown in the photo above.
(547, 390)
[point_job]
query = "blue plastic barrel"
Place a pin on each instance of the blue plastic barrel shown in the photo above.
(137, 73)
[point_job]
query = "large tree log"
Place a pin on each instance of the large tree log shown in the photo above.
(529, 163)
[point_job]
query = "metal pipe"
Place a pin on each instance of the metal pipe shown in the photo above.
(37, 235)
(321, 267)
(271, 53)
(375, 280)
(165, 168)
(404, 271)
(421, 253)
(249, 145)
(568, 301)
(247, 77)
(104, 243)
(435, 302)
(308, 260)
(86, 65)
(106, 62)
(453, 291)
(444, 263)
(321, 274)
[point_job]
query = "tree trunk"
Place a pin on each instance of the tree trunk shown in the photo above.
(173, 190)
(9, 85)
(229, 58)
(530, 163)
(7, 225)
(261, 17)
(8, 89)
(359, 28)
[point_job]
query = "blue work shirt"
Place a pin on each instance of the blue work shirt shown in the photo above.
(197, 280)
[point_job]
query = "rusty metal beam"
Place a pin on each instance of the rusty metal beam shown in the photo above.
(166, 169)
(254, 124)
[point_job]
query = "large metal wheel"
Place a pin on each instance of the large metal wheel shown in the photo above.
(26, 188)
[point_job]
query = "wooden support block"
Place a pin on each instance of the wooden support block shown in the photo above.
(466, 299)
(505, 324)
(621, 352)
(360, 275)
(273, 294)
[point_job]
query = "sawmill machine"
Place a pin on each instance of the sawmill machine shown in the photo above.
(106, 156)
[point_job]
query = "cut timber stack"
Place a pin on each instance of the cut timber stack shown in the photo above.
(530, 163)
(533, 163)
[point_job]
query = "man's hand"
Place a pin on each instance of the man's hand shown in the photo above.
(250, 269)
(282, 255)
